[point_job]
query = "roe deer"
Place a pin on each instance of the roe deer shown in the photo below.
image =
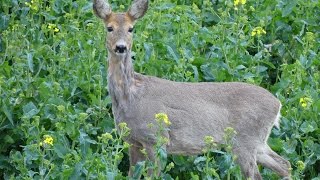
(196, 110)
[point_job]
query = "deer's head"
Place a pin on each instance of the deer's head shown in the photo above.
(119, 25)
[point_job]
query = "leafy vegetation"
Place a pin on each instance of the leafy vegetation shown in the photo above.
(55, 112)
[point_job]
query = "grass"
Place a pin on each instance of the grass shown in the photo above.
(53, 82)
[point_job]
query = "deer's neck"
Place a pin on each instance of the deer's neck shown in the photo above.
(120, 80)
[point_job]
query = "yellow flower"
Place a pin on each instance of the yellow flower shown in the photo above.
(53, 27)
(162, 117)
(300, 165)
(239, 2)
(305, 101)
(258, 31)
(47, 140)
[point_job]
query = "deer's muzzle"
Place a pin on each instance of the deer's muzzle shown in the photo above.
(121, 49)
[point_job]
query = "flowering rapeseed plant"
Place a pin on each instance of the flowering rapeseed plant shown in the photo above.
(162, 117)
(258, 31)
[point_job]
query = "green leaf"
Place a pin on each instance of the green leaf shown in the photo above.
(30, 61)
(163, 157)
(172, 53)
(4, 21)
(194, 176)
(7, 112)
(290, 146)
(200, 159)
(148, 51)
(166, 177)
(111, 175)
(288, 8)
(29, 110)
(138, 170)
(76, 174)
(240, 67)
(275, 143)
(61, 149)
(261, 69)
(307, 126)
(196, 73)
(179, 160)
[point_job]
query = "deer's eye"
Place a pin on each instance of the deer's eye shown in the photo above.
(110, 29)
(130, 30)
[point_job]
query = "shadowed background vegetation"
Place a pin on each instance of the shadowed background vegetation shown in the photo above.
(55, 112)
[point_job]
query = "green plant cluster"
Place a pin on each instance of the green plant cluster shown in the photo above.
(55, 111)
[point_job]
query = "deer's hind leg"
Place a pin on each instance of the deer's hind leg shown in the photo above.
(246, 158)
(270, 159)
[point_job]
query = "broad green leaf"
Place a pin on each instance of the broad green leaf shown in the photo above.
(4, 21)
(200, 159)
(261, 69)
(275, 143)
(29, 110)
(172, 53)
(288, 8)
(308, 126)
(111, 175)
(138, 170)
(179, 160)
(290, 146)
(7, 112)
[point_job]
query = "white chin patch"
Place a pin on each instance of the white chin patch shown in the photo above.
(121, 55)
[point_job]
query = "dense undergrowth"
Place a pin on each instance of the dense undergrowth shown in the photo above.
(55, 112)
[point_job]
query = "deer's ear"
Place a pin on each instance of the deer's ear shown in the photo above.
(138, 9)
(102, 9)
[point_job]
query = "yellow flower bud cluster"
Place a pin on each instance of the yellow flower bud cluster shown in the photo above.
(33, 5)
(305, 102)
(258, 31)
(239, 2)
(195, 9)
(53, 27)
(162, 117)
(300, 165)
(208, 140)
(47, 140)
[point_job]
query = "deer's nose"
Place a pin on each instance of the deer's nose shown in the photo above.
(121, 48)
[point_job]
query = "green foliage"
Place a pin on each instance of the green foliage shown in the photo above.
(53, 81)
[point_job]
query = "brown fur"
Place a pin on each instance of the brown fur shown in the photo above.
(196, 110)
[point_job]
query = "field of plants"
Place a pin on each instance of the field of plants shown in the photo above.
(55, 112)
